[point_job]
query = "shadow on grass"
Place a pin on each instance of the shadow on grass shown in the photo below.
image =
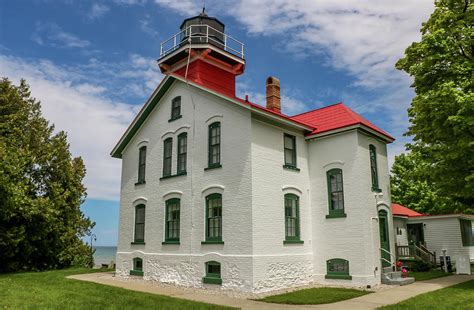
(315, 296)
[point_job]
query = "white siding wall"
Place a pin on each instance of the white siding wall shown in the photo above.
(401, 223)
(184, 263)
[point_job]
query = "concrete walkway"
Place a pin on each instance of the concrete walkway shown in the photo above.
(380, 298)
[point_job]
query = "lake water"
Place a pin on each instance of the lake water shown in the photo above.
(104, 254)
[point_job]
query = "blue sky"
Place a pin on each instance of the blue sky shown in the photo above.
(92, 65)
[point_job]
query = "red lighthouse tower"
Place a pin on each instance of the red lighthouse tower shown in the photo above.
(202, 53)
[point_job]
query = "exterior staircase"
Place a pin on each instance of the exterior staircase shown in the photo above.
(391, 277)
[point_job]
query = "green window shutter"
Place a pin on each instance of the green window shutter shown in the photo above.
(373, 168)
(167, 156)
(292, 217)
(337, 268)
(176, 108)
(467, 233)
(214, 152)
(139, 223)
(214, 217)
(289, 149)
(182, 152)
(213, 273)
(141, 164)
(173, 207)
(335, 193)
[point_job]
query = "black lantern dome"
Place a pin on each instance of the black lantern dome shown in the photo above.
(203, 29)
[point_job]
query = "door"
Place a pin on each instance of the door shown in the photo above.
(415, 234)
(384, 238)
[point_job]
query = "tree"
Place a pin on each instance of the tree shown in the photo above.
(442, 111)
(41, 189)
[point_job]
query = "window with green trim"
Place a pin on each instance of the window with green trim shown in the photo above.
(337, 268)
(139, 223)
(373, 168)
(292, 217)
(213, 273)
(137, 267)
(172, 219)
(141, 164)
(467, 233)
(182, 152)
(214, 145)
(289, 144)
(335, 192)
(167, 153)
(214, 217)
(176, 108)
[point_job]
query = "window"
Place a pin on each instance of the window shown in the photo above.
(213, 273)
(182, 150)
(167, 153)
(290, 151)
(214, 145)
(172, 220)
(373, 168)
(137, 267)
(335, 193)
(139, 224)
(175, 108)
(214, 218)
(141, 165)
(337, 268)
(292, 220)
(467, 233)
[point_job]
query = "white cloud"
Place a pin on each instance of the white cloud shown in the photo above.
(147, 28)
(51, 34)
(97, 11)
(73, 98)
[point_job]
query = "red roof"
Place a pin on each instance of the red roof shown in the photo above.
(403, 211)
(334, 117)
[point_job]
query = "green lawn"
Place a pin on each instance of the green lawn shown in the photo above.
(427, 275)
(460, 296)
(314, 296)
(52, 290)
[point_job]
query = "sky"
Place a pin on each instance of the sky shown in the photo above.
(92, 64)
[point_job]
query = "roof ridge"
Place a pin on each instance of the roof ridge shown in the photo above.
(328, 106)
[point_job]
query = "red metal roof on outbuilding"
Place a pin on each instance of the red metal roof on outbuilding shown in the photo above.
(403, 211)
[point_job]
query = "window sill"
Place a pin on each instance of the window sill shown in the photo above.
(138, 242)
(172, 176)
(211, 280)
(171, 242)
(335, 215)
(338, 277)
(376, 190)
(291, 167)
(293, 241)
(140, 183)
(174, 118)
(213, 167)
(212, 242)
(136, 273)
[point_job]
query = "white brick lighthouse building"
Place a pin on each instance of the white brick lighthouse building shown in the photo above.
(218, 191)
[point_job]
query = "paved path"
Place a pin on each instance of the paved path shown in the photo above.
(384, 297)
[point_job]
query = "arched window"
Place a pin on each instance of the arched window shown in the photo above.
(214, 218)
(182, 153)
(292, 218)
(214, 160)
(172, 220)
(139, 224)
(373, 168)
(167, 156)
(137, 267)
(175, 108)
(141, 165)
(335, 193)
(338, 268)
(213, 273)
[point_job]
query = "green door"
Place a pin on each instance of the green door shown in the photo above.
(384, 239)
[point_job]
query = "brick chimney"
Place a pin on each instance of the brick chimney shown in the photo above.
(273, 94)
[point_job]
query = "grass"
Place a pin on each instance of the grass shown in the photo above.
(315, 296)
(459, 296)
(428, 275)
(51, 290)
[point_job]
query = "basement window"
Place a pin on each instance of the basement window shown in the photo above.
(213, 273)
(137, 267)
(338, 268)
